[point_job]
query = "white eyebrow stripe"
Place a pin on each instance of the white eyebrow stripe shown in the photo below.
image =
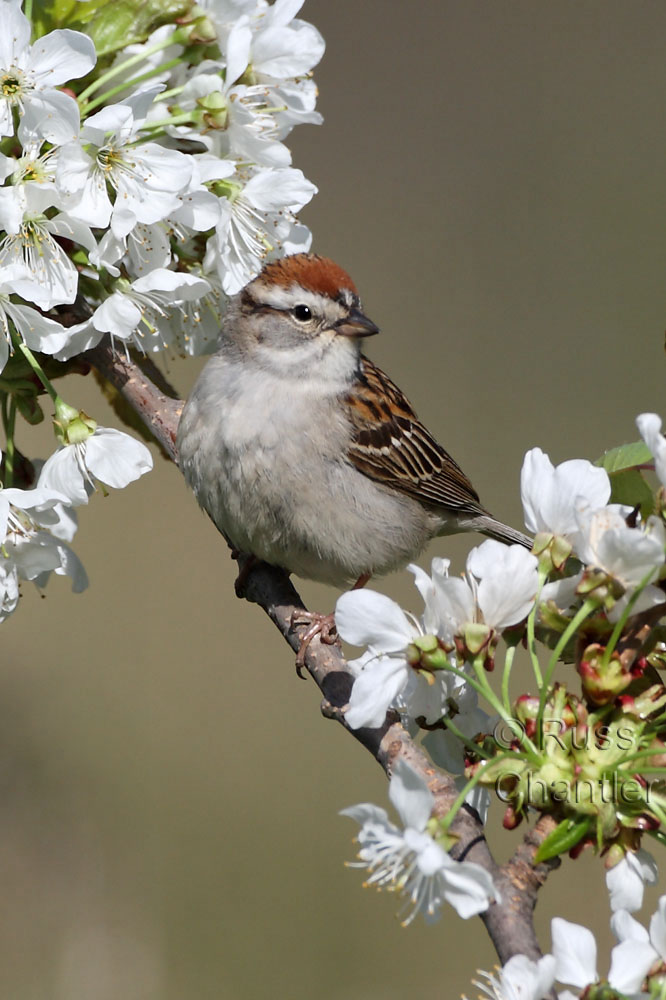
(281, 297)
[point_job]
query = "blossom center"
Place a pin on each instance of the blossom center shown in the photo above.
(12, 84)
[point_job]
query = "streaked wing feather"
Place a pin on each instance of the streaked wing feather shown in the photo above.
(392, 446)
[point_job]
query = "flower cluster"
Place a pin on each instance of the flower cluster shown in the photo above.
(143, 181)
(636, 968)
(159, 190)
(590, 593)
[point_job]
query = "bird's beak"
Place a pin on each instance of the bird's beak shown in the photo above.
(356, 325)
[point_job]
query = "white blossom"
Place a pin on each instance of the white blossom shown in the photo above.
(45, 273)
(32, 188)
(135, 311)
(280, 45)
(384, 675)
(35, 526)
(626, 880)
(498, 589)
(629, 555)
(146, 178)
(552, 496)
(575, 952)
(409, 861)
(519, 979)
(38, 332)
(31, 73)
(257, 223)
(108, 456)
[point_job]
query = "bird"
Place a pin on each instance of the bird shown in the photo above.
(304, 453)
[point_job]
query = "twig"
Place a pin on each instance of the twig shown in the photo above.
(509, 921)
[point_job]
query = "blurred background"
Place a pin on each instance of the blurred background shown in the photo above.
(491, 174)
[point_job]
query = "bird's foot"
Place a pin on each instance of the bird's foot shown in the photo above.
(321, 625)
(244, 571)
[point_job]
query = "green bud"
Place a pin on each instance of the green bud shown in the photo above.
(560, 550)
(602, 683)
(72, 426)
(437, 660)
(477, 636)
(214, 107)
(593, 579)
(200, 31)
(426, 654)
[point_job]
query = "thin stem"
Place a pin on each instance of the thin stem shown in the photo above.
(481, 687)
(493, 700)
(470, 744)
(122, 67)
(156, 128)
(506, 674)
(619, 625)
(9, 422)
(583, 612)
(173, 92)
(36, 367)
(446, 821)
(658, 811)
(531, 620)
(87, 108)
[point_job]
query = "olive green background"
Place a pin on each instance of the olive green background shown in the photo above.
(492, 175)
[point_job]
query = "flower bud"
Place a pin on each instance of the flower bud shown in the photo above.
(72, 426)
(602, 683)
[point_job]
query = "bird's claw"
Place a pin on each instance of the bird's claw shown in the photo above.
(321, 625)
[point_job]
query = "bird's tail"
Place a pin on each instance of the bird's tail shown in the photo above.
(487, 525)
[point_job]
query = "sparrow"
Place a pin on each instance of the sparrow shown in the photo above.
(304, 453)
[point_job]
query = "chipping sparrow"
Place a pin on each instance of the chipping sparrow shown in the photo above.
(302, 451)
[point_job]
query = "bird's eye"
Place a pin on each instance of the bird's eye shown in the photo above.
(302, 313)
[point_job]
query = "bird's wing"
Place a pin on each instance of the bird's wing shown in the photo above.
(391, 445)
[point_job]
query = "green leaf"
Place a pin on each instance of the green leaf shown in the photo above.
(117, 23)
(565, 836)
(626, 456)
(629, 487)
(29, 408)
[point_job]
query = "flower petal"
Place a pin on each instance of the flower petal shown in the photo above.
(410, 795)
(365, 617)
(374, 690)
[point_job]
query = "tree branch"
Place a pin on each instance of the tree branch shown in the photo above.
(509, 921)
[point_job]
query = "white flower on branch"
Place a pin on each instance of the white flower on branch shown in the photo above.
(136, 310)
(552, 496)
(519, 979)
(626, 880)
(38, 332)
(409, 861)
(497, 590)
(385, 676)
(32, 188)
(257, 222)
(146, 178)
(29, 76)
(575, 952)
(35, 526)
(48, 277)
(629, 555)
(279, 45)
(107, 456)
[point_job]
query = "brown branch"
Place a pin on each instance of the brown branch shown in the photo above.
(509, 921)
